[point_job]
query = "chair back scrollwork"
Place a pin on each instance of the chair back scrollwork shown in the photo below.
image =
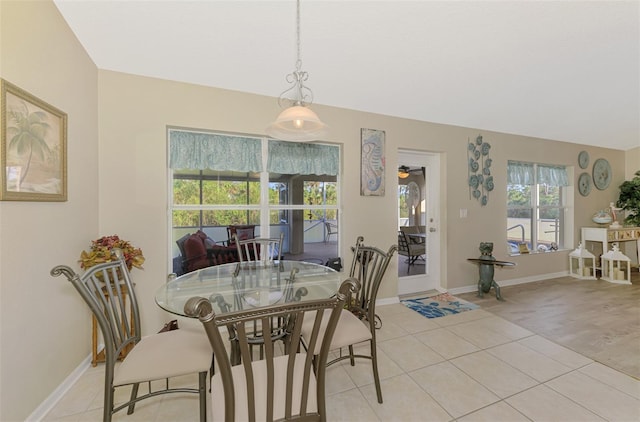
(287, 385)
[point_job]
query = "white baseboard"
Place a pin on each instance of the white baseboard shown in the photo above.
(49, 403)
(387, 301)
(512, 282)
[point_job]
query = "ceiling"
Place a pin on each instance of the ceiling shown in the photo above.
(562, 70)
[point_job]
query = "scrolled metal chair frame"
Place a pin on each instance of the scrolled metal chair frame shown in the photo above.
(314, 366)
(104, 287)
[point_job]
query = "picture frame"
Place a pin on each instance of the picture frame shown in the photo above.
(523, 248)
(372, 162)
(33, 147)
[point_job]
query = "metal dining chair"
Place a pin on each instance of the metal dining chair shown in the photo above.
(285, 387)
(260, 249)
(277, 326)
(357, 323)
(108, 291)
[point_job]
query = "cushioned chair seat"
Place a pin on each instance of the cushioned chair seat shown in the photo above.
(417, 249)
(165, 355)
(219, 254)
(260, 391)
(350, 330)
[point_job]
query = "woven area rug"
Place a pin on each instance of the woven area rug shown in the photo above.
(438, 306)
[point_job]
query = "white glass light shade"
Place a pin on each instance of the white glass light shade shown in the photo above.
(297, 123)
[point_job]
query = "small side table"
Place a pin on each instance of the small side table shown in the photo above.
(98, 356)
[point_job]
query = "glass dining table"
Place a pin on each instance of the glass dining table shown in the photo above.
(237, 286)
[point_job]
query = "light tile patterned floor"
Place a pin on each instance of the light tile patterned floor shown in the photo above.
(472, 366)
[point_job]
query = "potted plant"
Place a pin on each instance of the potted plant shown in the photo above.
(101, 251)
(629, 200)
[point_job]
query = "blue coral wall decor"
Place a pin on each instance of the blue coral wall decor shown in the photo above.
(480, 179)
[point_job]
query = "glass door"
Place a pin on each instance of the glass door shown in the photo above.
(418, 221)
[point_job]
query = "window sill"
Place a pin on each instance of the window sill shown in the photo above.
(539, 253)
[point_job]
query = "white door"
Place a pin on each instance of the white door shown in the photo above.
(426, 274)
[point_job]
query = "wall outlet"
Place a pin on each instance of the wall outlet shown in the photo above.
(463, 213)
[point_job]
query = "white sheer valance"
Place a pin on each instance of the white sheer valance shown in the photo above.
(303, 158)
(519, 173)
(200, 151)
(552, 175)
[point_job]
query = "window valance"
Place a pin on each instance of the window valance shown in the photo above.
(200, 151)
(552, 175)
(519, 173)
(303, 158)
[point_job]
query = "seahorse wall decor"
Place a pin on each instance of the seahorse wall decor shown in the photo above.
(372, 163)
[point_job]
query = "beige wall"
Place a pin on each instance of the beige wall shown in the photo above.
(632, 163)
(44, 326)
(136, 110)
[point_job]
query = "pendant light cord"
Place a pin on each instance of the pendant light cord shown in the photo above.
(298, 57)
(302, 93)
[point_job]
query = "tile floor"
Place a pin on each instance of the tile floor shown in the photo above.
(472, 366)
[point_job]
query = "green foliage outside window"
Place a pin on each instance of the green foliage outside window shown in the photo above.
(402, 196)
(519, 201)
(214, 191)
(320, 193)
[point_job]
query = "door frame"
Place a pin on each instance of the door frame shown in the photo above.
(432, 278)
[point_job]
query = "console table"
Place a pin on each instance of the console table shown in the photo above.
(606, 235)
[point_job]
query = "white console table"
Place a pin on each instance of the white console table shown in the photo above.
(606, 235)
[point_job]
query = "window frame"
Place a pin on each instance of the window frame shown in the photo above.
(564, 220)
(263, 207)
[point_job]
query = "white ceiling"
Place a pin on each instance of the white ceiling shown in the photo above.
(562, 70)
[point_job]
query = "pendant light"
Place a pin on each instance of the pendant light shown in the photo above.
(297, 122)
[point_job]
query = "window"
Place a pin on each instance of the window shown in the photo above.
(219, 180)
(208, 198)
(536, 207)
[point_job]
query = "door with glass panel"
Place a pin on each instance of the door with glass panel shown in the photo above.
(418, 221)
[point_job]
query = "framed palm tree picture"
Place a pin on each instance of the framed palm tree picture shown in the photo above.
(33, 148)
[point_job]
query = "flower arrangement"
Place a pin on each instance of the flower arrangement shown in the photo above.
(100, 252)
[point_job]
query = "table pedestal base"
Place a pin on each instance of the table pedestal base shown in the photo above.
(486, 269)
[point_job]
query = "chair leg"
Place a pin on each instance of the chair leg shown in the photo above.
(376, 376)
(134, 394)
(108, 404)
(202, 392)
(351, 358)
